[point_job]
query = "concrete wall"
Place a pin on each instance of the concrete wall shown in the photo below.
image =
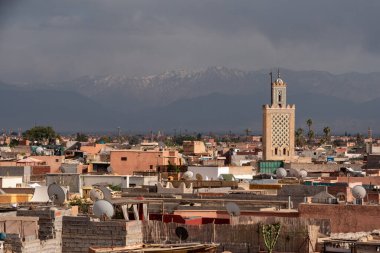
(89, 180)
(311, 167)
(73, 181)
(125, 162)
(344, 218)
(53, 161)
(80, 233)
(142, 180)
(10, 182)
(212, 173)
(11, 171)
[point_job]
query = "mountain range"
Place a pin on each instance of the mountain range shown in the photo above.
(215, 99)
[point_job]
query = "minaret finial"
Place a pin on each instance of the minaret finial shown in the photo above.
(271, 77)
(278, 73)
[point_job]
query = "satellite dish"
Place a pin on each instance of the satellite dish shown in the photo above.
(107, 193)
(62, 169)
(281, 173)
(359, 192)
(233, 209)
(199, 177)
(302, 174)
(109, 169)
(182, 233)
(96, 194)
(188, 175)
(102, 208)
(39, 150)
(57, 194)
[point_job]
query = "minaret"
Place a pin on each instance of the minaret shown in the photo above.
(369, 133)
(278, 124)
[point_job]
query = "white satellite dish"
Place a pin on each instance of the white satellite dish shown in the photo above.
(96, 194)
(102, 208)
(57, 194)
(359, 192)
(233, 209)
(188, 175)
(281, 173)
(302, 174)
(107, 193)
(109, 169)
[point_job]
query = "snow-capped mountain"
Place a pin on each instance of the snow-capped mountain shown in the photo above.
(222, 97)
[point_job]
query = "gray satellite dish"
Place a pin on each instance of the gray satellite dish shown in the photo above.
(96, 194)
(188, 175)
(57, 194)
(109, 169)
(103, 208)
(281, 173)
(358, 192)
(302, 174)
(233, 209)
(199, 177)
(62, 169)
(107, 194)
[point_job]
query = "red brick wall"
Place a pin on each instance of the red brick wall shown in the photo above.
(344, 218)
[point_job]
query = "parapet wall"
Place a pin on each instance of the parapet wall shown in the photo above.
(344, 218)
(81, 233)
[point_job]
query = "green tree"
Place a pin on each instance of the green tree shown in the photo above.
(327, 137)
(270, 234)
(300, 139)
(13, 143)
(40, 134)
(81, 137)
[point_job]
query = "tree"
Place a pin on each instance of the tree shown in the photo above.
(326, 131)
(13, 143)
(81, 137)
(40, 134)
(359, 139)
(270, 234)
(309, 123)
(310, 133)
(300, 139)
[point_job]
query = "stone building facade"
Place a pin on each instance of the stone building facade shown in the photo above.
(278, 124)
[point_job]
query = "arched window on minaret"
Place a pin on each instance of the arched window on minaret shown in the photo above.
(284, 151)
(275, 151)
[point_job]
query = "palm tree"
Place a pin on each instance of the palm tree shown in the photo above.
(326, 131)
(310, 133)
(309, 123)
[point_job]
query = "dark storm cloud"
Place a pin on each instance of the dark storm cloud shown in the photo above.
(54, 39)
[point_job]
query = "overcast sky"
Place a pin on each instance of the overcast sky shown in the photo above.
(52, 40)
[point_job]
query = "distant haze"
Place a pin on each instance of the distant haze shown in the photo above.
(55, 40)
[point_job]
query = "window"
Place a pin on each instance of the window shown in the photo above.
(275, 151)
(124, 158)
(151, 167)
(284, 151)
(57, 160)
